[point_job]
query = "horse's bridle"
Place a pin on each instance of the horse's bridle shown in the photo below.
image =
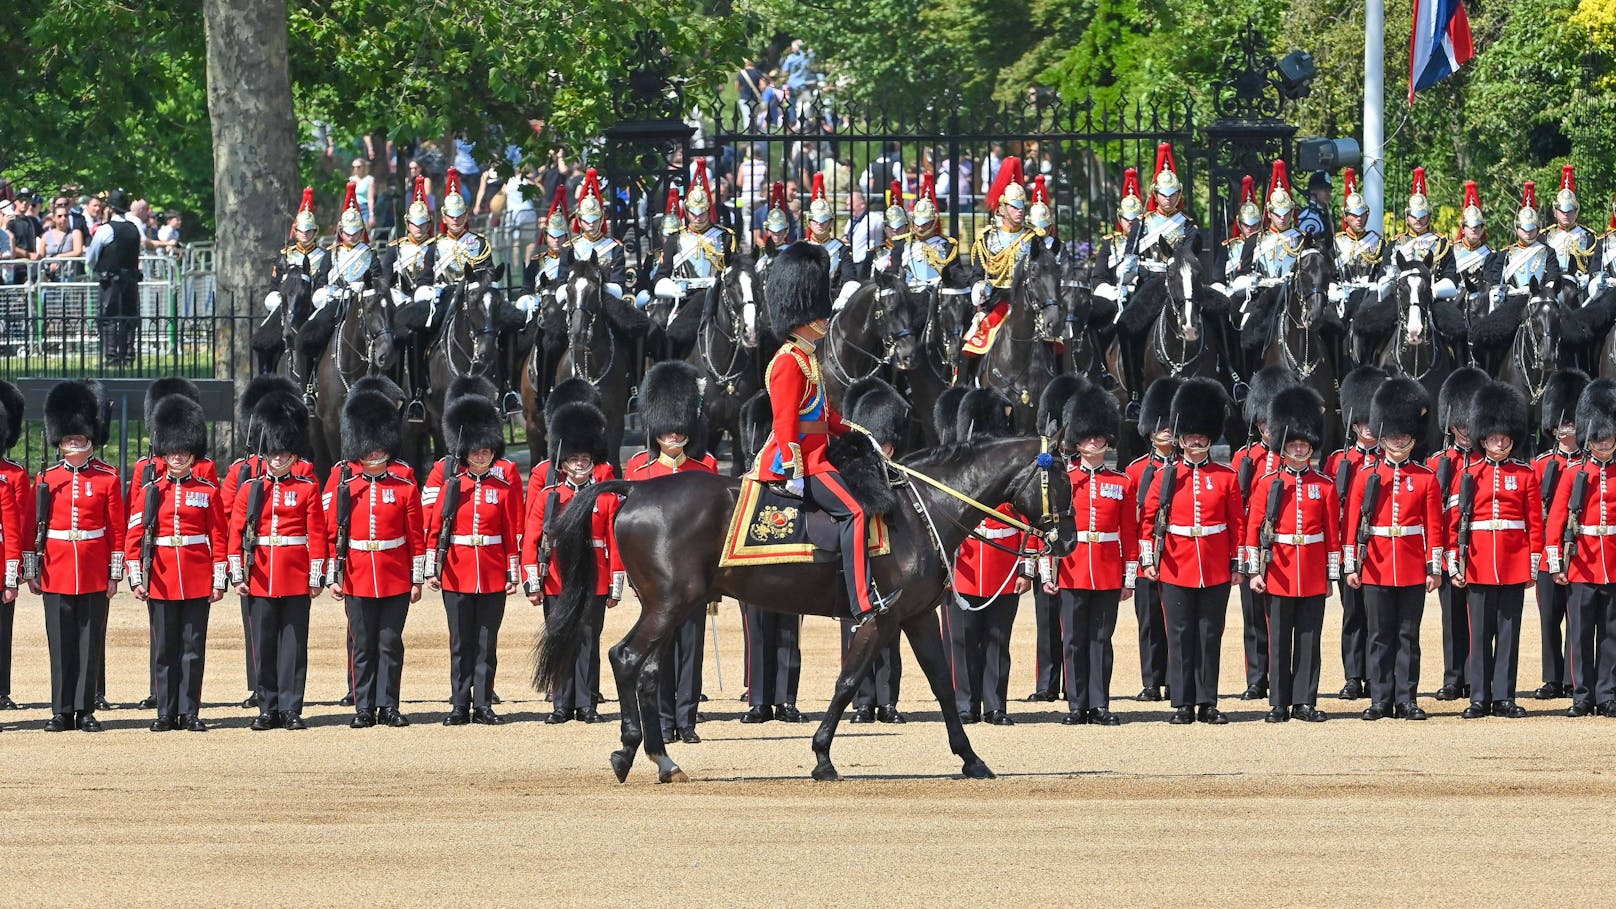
(1308, 362)
(735, 336)
(1543, 365)
(1402, 323)
(889, 341)
(581, 353)
(448, 340)
(368, 357)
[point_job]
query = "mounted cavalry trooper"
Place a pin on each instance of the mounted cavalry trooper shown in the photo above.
(1244, 235)
(354, 266)
(894, 228)
(1041, 215)
(305, 252)
(1572, 243)
(1603, 265)
(1266, 260)
(1468, 264)
(1360, 252)
(694, 258)
(1106, 268)
(455, 251)
(927, 258)
(822, 232)
(546, 269)
(1511, 270)
(406, 256)
(595, 240)
(998, 250)
(776, 227)
(1418, 239)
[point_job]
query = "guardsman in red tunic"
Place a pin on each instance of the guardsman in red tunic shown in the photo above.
(1256, 460)
(804, 420)
(1189, 540)
(1453, 403)
(1049, 654)
(1557, 412)
(20, 545)
(80, 524)
(1393, 545)
(277, 548)
(675, 442)
(1581, 553)
(176, 555)
(1293, 552)
(577, 437)
(1099, 574)
(236, 476)
(473, 547)
(1361, 452)
(1497, 528)
(1143, 474)
(575, 390)
(377, 554)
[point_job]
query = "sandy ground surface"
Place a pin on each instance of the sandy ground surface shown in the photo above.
(1347, 812)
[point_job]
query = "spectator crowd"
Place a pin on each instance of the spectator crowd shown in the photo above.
(55, 230)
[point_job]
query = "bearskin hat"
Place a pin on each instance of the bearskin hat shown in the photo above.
(670, 401)
(945, 412)
(1596, 412)
(72, 408)
(984, 414)
(258, 389)
(280, 422)
(103, 414)
(168, 385)
(1199, 408)
(381, 385)
(12, 405)
(1296, 413)
(577, 429)
(1052, 401)
(461, 386)
(177, 425)
(799, 286)
(757, 419)
(1453, 401)
(1090, 411)
(1265, 384)
(1157, 409)
(575, 390)
(1358, 394)
(1497, 408)
(1401, 406)
(1560, 398)
(471, 422)
(370, 422)
(879, 409)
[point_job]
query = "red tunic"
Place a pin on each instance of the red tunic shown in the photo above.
(981, 570)
(802, 414)
(1307, 541)
(1461, 458)
(243, 469)
(484, 545)
(607, 564)
(503, 469)
(1506, 537)
(1105, 511)
(289, 557)
(204, 468)
(84, 545)
(643, 467)
(1266, 461)
(1407, 531)
(189, 559)
(19, 545)
(1203, 526)
(1595, 558)
(540, 477)
(387, 548)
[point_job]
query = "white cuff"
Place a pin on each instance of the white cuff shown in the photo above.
(316, 572)
(618, 577)
(1130, 574)
(1537, 558)
(429, 567)
(668, 289)
(1445, 289)
(417, 569)
(1147, 553)
(117, 566)
(1553, 552)
(1335, 566)
(13, 568)
(135, 580)
(218, 576)
(843, 295)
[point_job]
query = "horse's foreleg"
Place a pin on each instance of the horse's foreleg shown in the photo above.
(926, 639)
(867, 641)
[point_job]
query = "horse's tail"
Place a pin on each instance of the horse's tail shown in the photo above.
(557, 646)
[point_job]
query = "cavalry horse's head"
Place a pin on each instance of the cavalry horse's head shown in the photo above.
(899, 317)
(1075, 288)
(1037, 286)
(1310, 282)
(368, 328)
(1542, 328)
(740, 297)
(480, 299)
(1414, 297)
(1186, 287)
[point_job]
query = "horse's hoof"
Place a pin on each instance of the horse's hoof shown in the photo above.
(620, 765)
(673, 776)
(976, 770)
(825, 773)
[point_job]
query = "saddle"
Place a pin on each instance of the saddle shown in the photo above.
(773, 527)
(980, 336)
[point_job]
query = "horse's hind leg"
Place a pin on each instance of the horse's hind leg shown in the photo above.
(646, 693)
(867, 642)
(634, 662)
(926, 639)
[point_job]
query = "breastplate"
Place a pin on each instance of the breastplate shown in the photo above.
(1470, 262)
(352, 266)
(1424, 244)
(697, 255)
(1276, 253)
(1159, 227)
(1523, 263)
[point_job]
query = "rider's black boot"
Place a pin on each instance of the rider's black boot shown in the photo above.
(415, 410)
(510, 402)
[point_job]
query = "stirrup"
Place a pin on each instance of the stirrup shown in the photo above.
(880, 604)
(415, 411)
(1131, 411)
(511, 404)
(309, 402)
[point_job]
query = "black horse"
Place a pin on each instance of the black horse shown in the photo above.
(1542, 345)
(1026, 355)
(669, 533)
(362, 344)
(1427, 333)
(1299, 336)
(273, 337)
(877, 332)
(467, 340)
(602, 334)
(726, 352)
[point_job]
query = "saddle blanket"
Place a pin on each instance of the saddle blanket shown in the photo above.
(979, 339)
(769, 528)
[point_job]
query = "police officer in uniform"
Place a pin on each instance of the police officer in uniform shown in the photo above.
(1251, 463)
(1357, 398)
(81, 514)
(114, 256)
(1155, 427)
(1557, 421)
(20, 542)
(1453, 413)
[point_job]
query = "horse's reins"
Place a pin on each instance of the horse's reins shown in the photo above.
(834, 359)
(1534, 390)
(704, 344)
(1402, 326)
(580, 358)
(369, 356)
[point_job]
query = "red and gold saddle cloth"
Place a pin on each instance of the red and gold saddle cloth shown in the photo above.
(769, 528)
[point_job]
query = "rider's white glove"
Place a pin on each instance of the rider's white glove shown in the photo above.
(613, 290)
(426, 293)
(1384, 288)
(1597, 284)
(979, 294)
(845, 294)
(272, 302)
(1336, 294)
(1445, 289)
(1497, 295)
(1127, 268)
(668, 289)
(1242, 285)
(561, 294)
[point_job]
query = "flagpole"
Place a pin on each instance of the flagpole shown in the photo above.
(1374, 107)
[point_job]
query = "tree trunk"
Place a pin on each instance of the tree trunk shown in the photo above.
(254, 160)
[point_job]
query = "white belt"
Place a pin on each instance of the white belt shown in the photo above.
(175, 542)
(949, 291)
(278, 540)
(998, 534)
(1153, 265)
(475, 539)
(1299, 539)
(1498, 525)
(598, 544)
(1597, 530)
(76, 535)
(1209, 530)
(1397, 531)
(1096, 536)
(375, 545)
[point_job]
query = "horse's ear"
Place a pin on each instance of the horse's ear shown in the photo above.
(499, 273)
(1536, 286)
(1037, 250)
(1399, 260)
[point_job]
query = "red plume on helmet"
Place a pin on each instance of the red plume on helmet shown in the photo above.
(451, 184)
(1568, 178)
(1529, 194)
(1130, 184)
(927, 191)
(1009, 172)
(1248, 195)
(350, 200)
(591, 188)
(1472, 195)
(1040, 191)
(1279, 177)
(559, 202)
(777, 195)
(307, 205)
(894, 194)
(1612, 224)
(700, 180)
(1349, 182)
(420, 188)
(818, 191)
(1419, 183)
(673, 207)
(1164, 163)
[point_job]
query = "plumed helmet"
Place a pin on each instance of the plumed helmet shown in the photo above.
(1199, 408)
(1156, 410)
(1280, 200)
(699, 199)
(454, 198)
(1498, 409)
(1090, 411)
(1596, 412)
(896, 217)
(1132, 205)
(1008, 186)
(305, 220)
(1401, 407)
(351, 222)
(1166, 182)
(671, 401)
(799, 286)
(945, 414)
(1353, 201)
(984, 414)
(673, 215)
(177, 425)
(1358, 394)
(419, 213)
(924, 212)
(1297, 413)
(576, 390)
(1419, 202)
(280, 422)
(1560, 396)
(1039, 214)
(1526, 218)
(1250, 213)
(163, 387)
(556, 221)
(72, 408)
(592, 206)
(1265, 384)
(1052, 402)
(877, 406)
(1453, 400)
(371, 422)
(777, 219)
(578, 429)
(819, 208)
(1472, 216)
(1566, 198)
(12, 406)
(471, 422)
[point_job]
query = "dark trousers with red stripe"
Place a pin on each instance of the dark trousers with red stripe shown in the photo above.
(181, 630)
(1455, 632)
(279, 643)
(1551, 612)
(773, 656)
(881, 685)
(1088, 618)
(1354, 633)
(1195, 618)
(1147, 611)
(1254, 632)
(1394, 615)
(829, 494)
(1591, 643)
(1049, 674)
(1495, 641)
(377, 628)
(1295, 625)
(70, 633)
(249, 634)
(8, 616)
(679, 675)
(979, 651)
(474, 621)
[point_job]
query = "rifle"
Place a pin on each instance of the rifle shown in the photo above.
(339, 558)
(1551, 475)
(1163, 507)
(249, 533)
(1573, 527)
(1265, 535)
(42, 509)
(148, 539)
(545, 543)
(1467, 504)
(1343, 477)
(1247, 473)
(451, 505)
(1371, 496)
